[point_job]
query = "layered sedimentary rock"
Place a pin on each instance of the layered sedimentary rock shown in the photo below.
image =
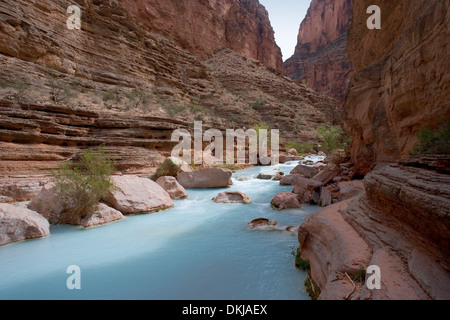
(401, 84)
(320, 59)
(121, 81)
(400, 224)
(204, 27)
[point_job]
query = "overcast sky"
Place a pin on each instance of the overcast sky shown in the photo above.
(285, 17)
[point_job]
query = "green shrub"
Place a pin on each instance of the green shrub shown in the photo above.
(175, 109)
(259, 104)
(83, 184)
(333, 138)
(434, 141)
(301, 147)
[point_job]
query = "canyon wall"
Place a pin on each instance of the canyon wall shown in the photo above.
(320, 59)
(204, 27)
(401, 223)
(121, 82)
(401, 84)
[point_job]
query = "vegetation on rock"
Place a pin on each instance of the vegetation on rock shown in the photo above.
(83, 184)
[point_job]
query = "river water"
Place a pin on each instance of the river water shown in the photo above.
(200, 250)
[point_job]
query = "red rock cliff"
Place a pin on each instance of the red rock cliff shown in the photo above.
(402, 78)
(320, 58)
(206, 26)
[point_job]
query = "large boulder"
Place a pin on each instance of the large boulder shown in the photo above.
(290, 180)
(293, 152)
(17, 224)
(205, 178)
(232, 197)
(308, 190)
(135, 195)
(285, 200)
(49, 204)
(172, 187)
(328, 174)
(102, 215)
(306, 171)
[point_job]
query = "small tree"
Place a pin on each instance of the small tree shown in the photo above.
(333, 138)
(83, 184)
(434, 141)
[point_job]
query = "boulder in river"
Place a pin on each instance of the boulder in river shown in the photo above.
(263, 176)
(102, 215)
(262, 223)
(135, 195)
(232, 197)
(306, 171)
(172, 187)
(17, 224)
(285, 200)
(205, 178)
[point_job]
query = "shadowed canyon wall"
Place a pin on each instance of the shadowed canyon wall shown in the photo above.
(401, 84)
(320, 59)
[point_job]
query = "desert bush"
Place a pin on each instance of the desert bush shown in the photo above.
(259, 104)
(83, 184)
(433, 141)
(175, 109)
(301, 147)
(138, 97)
(20, 88)
(60, 90)
(333, 138)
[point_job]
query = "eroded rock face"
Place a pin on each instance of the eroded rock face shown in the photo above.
(401, 224)
(401, 84)
(320, 59)
(135, 195)
(17, 224)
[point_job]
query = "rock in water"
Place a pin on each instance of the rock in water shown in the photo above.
(285, 200)
(172, 187)
(17, 224)
(135, 195)
(102, 215)
(306, 171)
(232, 197)
(262, 223)
(263, 176)
(205, 178)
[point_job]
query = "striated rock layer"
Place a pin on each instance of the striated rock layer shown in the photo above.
(401, 224)
(401, 84)
(320, 59)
